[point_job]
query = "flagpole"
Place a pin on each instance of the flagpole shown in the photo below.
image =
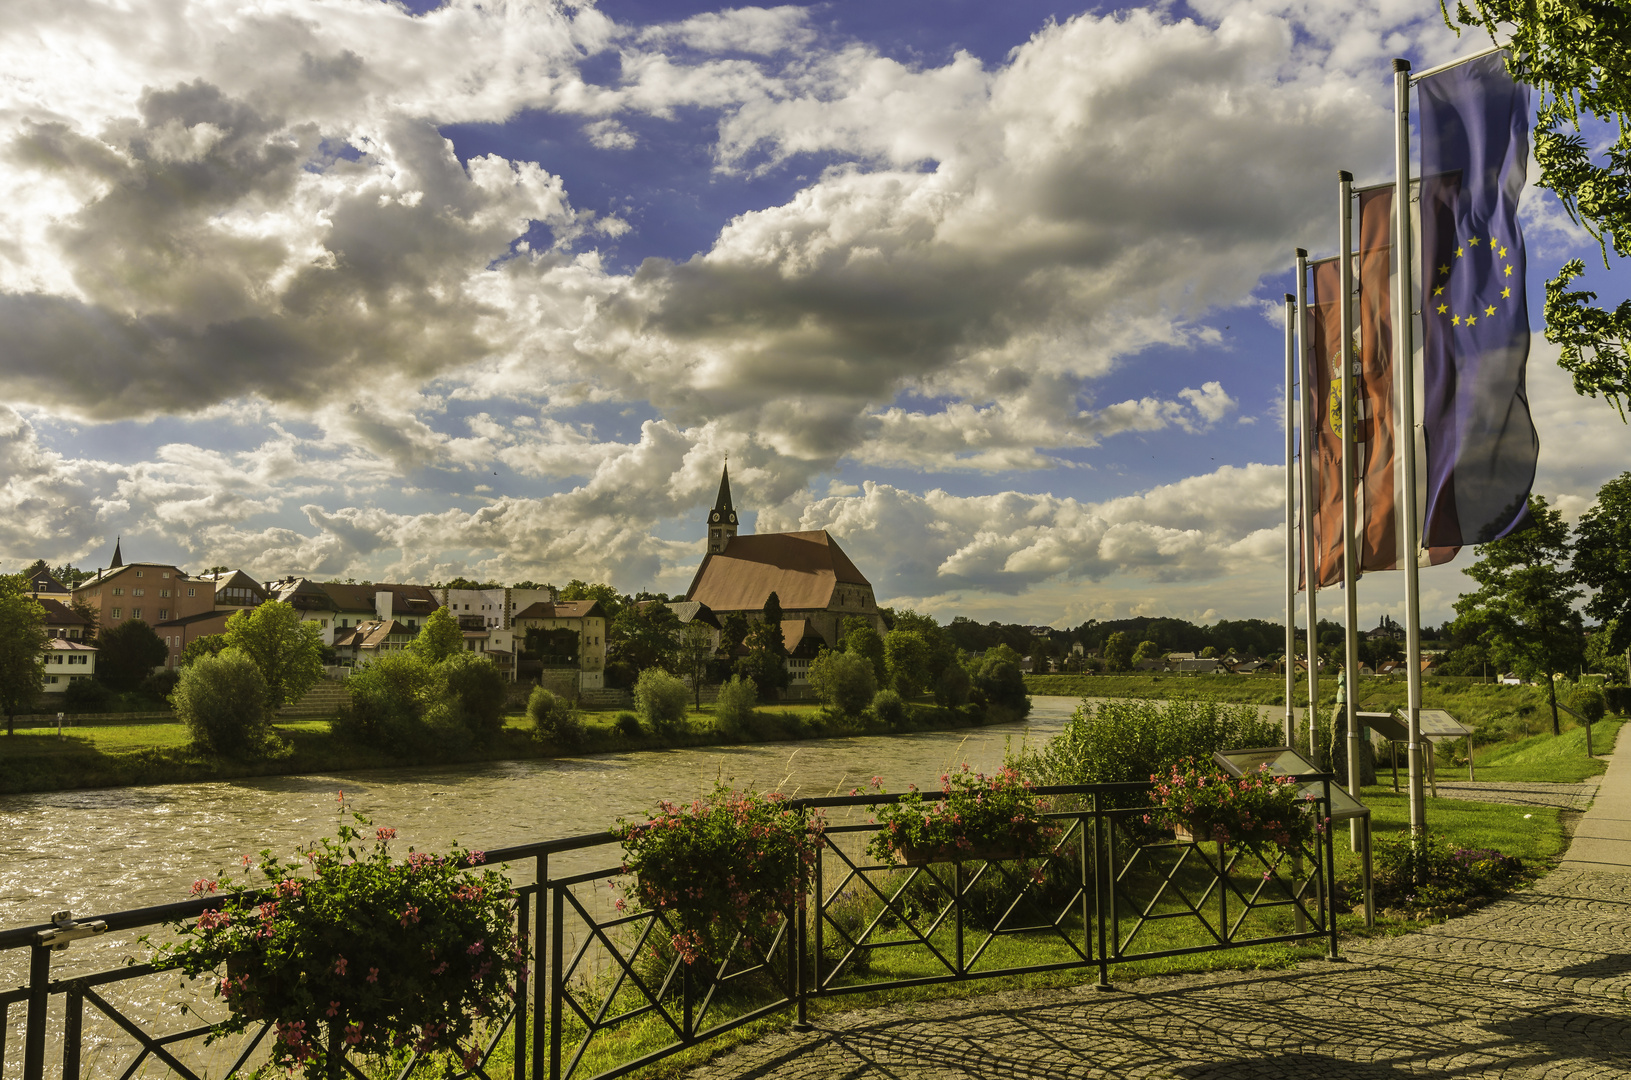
(1350, 556)
(1405, 366)
(1291, 520)
(1311, 572)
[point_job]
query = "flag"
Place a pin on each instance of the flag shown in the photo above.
(1319, 383)
(1481, 441)
(1375, 493)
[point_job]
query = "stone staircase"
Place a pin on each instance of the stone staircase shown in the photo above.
(605, 699)
(324, 699)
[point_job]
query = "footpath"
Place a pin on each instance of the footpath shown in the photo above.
(1534, 986)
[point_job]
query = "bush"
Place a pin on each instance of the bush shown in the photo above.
(87, 696)
(159, 684)
(844, 681)
(1000, 682)
(661, 700)
(474, 695)
(888, 707)
(127, 653)
(953, 687)
(628, 725)
(222, 701)
(554, 718)
(1129, 741)
(735, 704)
(1589, 702)
(388, 698)
(1431, 874)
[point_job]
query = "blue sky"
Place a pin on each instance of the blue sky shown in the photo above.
(990, 291)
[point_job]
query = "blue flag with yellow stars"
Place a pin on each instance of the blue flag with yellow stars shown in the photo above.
(1481, 441)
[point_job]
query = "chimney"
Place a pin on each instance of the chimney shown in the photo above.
(382, 605)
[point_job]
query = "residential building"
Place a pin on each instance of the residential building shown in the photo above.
(583, 624)
(156, 593)
(372, 638)
(67, 661)
(45, 585)
(235, 590)
(803, 643)
(810, 574)
(62, 621)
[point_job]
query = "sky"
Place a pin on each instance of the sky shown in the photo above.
(991, 292)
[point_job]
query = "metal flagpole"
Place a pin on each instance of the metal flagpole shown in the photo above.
(1350, 554)
(1310, 554)
(1404, 366)
(1291, 519)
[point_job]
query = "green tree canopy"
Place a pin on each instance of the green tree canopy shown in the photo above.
(610, 602)
(1574, 52)
(440, 637)
(221, 699)
(645, 636)
(1523, 610)
(22, 641)
(696, 648)
(208, 645)
(1147, 650)
(466, 583)
(1602, 561)
(127, 653)
(288, 652)
(861, 638)
(1118, 651)
(906, 656)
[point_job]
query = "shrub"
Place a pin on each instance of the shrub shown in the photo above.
(1589, 702)
(554, 718)
(628, 725)
(388, 698)
(889, 708)
(844, 681)
(978, 812)
(222, 701)
(1255, 808)
(737, 699)
(661, 700)
(1431, 874)
(1000, 681)
(727, 864)
(474, 695)
(1128, 741)
(391, 954)
(953, 687)
(159, 684)
(87, 696)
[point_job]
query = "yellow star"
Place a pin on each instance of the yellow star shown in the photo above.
(1445, 269)
(1460, 252)
(1490, 310)
(1455, 320)
(1442, 308)
(1439, 291)
(1471, 319)
(1509, 271)
(1473, 241)
(1503, 253)
(1506, 294)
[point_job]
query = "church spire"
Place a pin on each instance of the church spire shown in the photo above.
(118, 559)
(722, 519)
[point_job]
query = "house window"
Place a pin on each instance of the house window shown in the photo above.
(118, 592)
(52, 679)
(77, 660)
(138, 592)
(118, 613)
(165, 574)
(192, 592)
(138, 573)
(53, 659)
(135, 613)
(164, 592)
(164, 613)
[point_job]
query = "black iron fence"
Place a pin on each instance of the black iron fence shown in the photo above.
(610, 996)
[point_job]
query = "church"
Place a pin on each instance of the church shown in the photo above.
(815, 581)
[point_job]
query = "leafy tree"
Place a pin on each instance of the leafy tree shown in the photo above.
(1000, 683)
(1602, 561)
(906, 656)
(221, 698)
(530, 585)
(22, 641)
(942, 649)
(440, 638)
(954, 686)
(735, 704)
(733, 630)
(555, 719)
(1044, 653)
(1574, 53)
(645, 636)
(766, 661)
(389, 695)
(773, 612)
(1147, 650)
(71, 575)
(696, 648)
(610, 602)
(288, 652)
(660, 699)
(466, 583)
(1118, 651)
(888, 707)
(1523, 611)
(844, 681)
(862, 639)
(473, 697)
(92, 615)
(127, 653)
(208, 645)
(1208, 653)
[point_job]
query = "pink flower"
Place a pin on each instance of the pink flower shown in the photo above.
(477, 857)
(339, 966)
(384, 834)
(475, 948)
(333, 1008)
(203, 885)
(373, 974)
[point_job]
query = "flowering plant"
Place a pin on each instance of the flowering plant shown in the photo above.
(725, 864)
(385, 954)
(978, 811)
(1213, 805)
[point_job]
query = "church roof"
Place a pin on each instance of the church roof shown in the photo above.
(801, 568)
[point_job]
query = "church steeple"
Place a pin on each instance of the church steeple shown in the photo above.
(722, 518)
(118, 560)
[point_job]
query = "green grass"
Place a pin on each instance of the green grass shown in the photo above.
(1559, 759)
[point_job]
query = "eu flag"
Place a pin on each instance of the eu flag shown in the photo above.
(1481, 441)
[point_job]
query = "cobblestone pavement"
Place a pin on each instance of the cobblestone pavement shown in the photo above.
(1565, 796)
(1535, 986)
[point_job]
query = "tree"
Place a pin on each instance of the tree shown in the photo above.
(610, 602)
(645, 636)
(221, 699)
(733, 630)
(127, 653)
(208, 645)
(862, 639)
(473, 696)
(440, 637)
(1147, 650)
(1574, 53)
(1118, 651)
(1602, 561)
(466, 583)
(288, 652)
(1523, 611)
(906, 656)
(773, 612)
(696, 649)
(659, 698)
(22, 643)
(942, 648)
(844, 681)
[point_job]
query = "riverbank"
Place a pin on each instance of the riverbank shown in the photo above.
(37, 759)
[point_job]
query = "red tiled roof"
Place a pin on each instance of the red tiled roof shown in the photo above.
(563, 609)
(801, 568)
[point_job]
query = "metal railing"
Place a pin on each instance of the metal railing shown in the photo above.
(611, 996)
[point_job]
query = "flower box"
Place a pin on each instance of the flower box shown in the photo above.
(980, 818)
(997, 851)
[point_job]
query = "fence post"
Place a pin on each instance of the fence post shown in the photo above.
(39, 983)
(542, 963)
(1330, 876)
(72, 1027)
(523, 909)
(800, 942)
(957, 909)
(557, 948)
(336, 1051)
(1104, 885)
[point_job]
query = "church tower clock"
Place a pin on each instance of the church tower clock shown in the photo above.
(722, 518)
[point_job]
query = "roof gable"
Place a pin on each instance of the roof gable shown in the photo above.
(801, 568)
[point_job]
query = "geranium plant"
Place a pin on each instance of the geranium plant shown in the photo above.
(724, 865)
(1258, 807)
(979, 814)
(347, 942)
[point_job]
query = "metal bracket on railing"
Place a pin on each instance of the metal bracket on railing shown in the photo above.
(67, 931)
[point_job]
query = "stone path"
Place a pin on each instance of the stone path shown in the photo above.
(1535, 986)
(1564, 796)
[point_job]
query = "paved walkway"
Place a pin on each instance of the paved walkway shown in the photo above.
(1564, 796)
(1535, 986)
